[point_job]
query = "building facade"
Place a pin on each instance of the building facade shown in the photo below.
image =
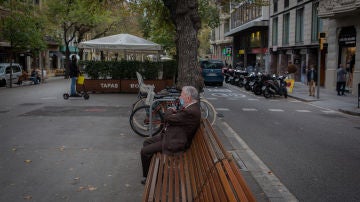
(293, 37)
(249, 29)
(342, 36)
(49, 59)
(221, 46)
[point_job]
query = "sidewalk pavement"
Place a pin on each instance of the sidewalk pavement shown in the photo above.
(327, 99)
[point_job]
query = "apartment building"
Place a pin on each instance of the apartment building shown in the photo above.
(342, 36)
(249, 28)
(221, 46)
(293, 37)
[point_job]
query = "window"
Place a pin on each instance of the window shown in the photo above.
(286, 28)
(275, 6)
(226, 26)
(299, 29)
(286, 3)
(316, 23)
(275, 32)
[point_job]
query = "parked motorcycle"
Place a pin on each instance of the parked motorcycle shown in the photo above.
(250, 81)
(239, 76)
(259, 83)
(275, 86)
(229, 75)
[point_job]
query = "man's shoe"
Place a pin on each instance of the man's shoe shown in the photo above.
(143, 181)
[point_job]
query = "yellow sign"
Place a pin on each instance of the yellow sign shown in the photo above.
(289, 85)
(242, 52)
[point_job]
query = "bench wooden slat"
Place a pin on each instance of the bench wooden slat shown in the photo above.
(177, 190)
(225, 184)
(183, 182)
(189, 180)
(165, 179)
(171, 178)
(240, 193)
(153, 176)
(205, 172)
(241, 180)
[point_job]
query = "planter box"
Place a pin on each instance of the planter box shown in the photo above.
(101, 85)
(121, 86)
(132, 86)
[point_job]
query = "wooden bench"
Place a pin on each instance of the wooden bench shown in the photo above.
(205, 172)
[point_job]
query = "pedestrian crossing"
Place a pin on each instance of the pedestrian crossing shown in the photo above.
(279, 110)
(231, 95)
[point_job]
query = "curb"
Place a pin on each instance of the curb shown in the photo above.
(349, 112)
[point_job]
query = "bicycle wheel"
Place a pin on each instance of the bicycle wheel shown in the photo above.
(138, 103)
(140, 123)
(207, 111)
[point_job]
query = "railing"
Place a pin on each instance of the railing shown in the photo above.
(330, 8)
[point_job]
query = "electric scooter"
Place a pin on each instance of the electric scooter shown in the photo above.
(82, 93)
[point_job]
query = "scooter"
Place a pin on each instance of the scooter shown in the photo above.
(85, 95)
(276, 86)
(82, 93)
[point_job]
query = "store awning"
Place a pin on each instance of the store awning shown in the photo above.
(252, 24)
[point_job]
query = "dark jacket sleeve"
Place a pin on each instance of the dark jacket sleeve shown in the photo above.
(181, 128)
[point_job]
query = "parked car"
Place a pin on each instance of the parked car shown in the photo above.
(212, 71)
(5, 73)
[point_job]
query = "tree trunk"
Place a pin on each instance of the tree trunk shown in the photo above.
(184, 14)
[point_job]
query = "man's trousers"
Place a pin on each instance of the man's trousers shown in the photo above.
(150, 147)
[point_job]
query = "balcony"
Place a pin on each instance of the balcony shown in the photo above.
(336, 8)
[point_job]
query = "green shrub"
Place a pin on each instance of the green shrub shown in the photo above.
(127, 69)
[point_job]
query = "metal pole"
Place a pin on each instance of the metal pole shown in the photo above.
(318, 75)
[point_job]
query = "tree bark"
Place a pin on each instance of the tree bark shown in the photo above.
(184, 14)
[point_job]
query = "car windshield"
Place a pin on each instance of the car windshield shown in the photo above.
(211, 65)
(2, 69)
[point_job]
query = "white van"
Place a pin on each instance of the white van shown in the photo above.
(5, 73)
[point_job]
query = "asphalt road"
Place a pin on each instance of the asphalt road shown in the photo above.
(53, 149)
(313, 151)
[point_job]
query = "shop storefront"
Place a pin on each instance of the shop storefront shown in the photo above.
(347, 51)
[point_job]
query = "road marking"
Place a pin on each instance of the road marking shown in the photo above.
(211, 98)
(295, 101)
(220, 90)
(249, 109)
(253, 99)
(329, 111)
(276, 110)
(274, 100)
(303, 110)
(48, 98)
(228, 95)
(222, 109)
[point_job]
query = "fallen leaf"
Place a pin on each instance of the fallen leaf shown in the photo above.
(28, 161)
(62, 148)
(91, 188)
(81, 188)
(14, 149)
(127, 185)
(27, 197)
